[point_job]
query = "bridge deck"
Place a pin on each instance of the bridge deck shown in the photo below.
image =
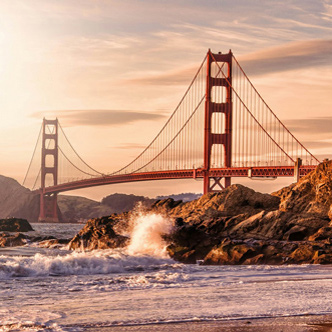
(257, 172)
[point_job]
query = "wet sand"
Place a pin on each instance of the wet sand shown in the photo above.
(310, 323)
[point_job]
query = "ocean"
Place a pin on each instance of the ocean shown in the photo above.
(43, 289)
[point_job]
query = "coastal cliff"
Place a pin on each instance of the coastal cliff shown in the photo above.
(238, 225)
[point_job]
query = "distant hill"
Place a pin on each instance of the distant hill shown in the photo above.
(78, 209)
(19, 202)
(185, 197)
(122, 202)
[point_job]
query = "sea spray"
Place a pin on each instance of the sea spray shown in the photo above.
(146, 235)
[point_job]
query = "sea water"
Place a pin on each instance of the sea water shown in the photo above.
(60, 290)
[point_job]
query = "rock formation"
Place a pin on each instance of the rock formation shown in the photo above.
(12, 240)
(236, 226)
(99, 233)
(15, 225)
(239, 225)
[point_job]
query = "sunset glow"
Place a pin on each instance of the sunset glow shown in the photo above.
(109, 70)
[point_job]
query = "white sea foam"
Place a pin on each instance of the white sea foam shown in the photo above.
(78, 263)
(29, 320)
(147, 251)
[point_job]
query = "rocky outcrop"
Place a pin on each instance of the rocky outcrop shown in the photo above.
(312, 195)
(238, 225)
(15, 225)
(235, 200)
(12, 240)
(99, 233)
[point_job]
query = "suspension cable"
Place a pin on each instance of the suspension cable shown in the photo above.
(245, 106)
(168, 121)
(273, 112)
(79, 155)
(33, 154)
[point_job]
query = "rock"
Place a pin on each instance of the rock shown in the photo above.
(229, 252)
(324, 233)
(53, 243)
(296, 233)
(10, 240)
(15, 225)
(256, 260)
(322, 258)
(98, 233)
(311, 195)
(303, 254)
(234, 200)
(238, 225)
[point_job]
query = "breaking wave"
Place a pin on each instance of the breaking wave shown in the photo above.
(79, 263)
(146, 251)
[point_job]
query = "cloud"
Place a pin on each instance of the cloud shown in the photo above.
(182, 76)
(99, 117)
(313, 126)
(317, 144)
(296, 55)
(292, 56)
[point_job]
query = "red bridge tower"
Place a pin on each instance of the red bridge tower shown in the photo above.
(49, 168)
(210, 138)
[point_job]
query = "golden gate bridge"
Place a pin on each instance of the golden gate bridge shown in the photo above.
(221, 128)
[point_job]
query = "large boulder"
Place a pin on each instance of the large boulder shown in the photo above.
(239, 225)
(232, 201)
(15, 225)
(99, 233)
(311, 195)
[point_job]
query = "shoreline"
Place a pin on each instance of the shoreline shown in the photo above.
(300, 323)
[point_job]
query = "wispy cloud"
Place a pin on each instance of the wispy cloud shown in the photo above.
(313, 126)
(287, 57)
(296, 55)
(99, 117)
(317, 144)
(173, 77)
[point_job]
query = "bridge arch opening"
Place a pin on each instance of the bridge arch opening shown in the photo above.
(218, 123)
(217, 156)
(218, 94)
(49, 179)
(50, 143)
(49, 161)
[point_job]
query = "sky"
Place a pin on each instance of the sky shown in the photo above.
(113, 72)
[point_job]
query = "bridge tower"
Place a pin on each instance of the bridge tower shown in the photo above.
(211, 107)
(49, 167)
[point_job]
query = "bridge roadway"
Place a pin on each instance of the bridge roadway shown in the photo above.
(254, 172)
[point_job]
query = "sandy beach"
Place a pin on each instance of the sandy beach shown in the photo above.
(309, 323)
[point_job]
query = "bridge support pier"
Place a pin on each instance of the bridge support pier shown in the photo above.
(213, 184)
(298, 164)
(222, 85)
(48, 211)
(48, 208)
